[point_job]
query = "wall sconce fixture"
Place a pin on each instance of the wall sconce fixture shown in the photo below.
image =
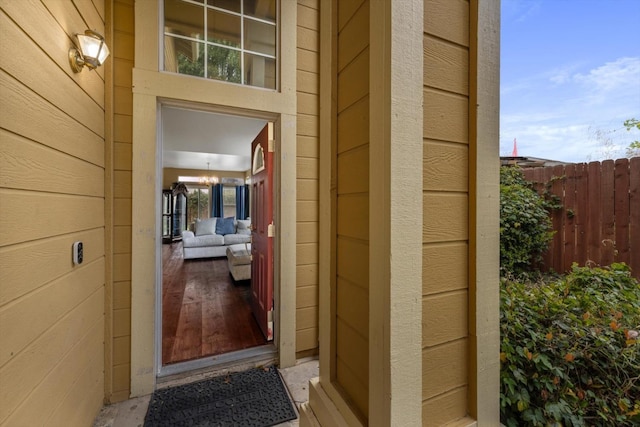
(92, 51)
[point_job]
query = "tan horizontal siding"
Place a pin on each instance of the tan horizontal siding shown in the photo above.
(43, 210)
(445, 267)
(446, 116)
(448, 363)
(51, 82)
(57, 131)
(25, 319)
(356, 392)
(51, 170)
(123, 55)
(32, 375)
(448, 20)
(445, 166)
(353, 38)
(43, 259)
(346, 11)
(353, 216)
(353, 171)
(353, 81)
(307, 104)
(307, 188)
(446, 217)
(52, 158)
(357, 358)
(353, 125)
(353, 261)
(308, 82)
(307, 253)
(446, 65)
(444, 317)
(307, 275)
(352, 306)
(445, 305)
(307, 210)
(351, 174)
(307, 232)
(307, 60)
(306, 339)
(445, 408)
(307, 296)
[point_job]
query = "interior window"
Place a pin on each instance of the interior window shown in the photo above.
(197, 204)
(229, 200)
(228, 40)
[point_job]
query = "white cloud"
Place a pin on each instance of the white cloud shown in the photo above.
(622, 74)
(563, 74)
(578, 118)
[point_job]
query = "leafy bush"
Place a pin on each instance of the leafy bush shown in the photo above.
(570, 352)
(524, 222)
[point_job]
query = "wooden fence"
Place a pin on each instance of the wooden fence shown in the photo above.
(599, 221)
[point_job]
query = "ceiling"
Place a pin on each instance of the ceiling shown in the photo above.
(191, 138)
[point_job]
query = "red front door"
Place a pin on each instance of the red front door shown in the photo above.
(262, 231)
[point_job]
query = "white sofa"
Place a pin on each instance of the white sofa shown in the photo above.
(212, 236)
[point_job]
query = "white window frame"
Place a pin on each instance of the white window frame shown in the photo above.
(206, 43)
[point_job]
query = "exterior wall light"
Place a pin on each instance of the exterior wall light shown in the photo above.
(92, 51)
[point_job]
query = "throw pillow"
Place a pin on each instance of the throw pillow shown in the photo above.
(205, 227)
(244, 226)
(225, 226)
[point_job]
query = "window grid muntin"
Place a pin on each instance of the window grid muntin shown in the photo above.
(242, 50)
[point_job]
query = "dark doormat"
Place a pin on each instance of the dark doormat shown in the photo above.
(256, 397)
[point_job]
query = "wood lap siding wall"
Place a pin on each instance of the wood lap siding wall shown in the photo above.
(352, 204)
(307, 82)
(52, 159)
(122, 57)
(446, 209)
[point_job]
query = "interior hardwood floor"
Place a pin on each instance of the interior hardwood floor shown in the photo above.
(204, 313)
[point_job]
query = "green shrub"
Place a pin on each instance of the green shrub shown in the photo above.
(570, 354)
(524, 223)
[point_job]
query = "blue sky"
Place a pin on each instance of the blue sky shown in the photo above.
(570, 77)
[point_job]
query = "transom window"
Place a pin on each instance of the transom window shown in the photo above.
(228, 40)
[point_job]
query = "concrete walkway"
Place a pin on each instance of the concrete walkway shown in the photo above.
(130, 413)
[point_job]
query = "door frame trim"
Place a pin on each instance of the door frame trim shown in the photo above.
(149, 84)
(281, 334)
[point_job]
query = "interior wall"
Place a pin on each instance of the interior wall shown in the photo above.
(307, 90)
(52, 160)
(445, 354)
(352, 205)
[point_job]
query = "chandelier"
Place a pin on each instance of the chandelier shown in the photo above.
(208, 179)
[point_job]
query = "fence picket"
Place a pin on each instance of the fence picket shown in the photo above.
(568, 212)
(607, 214)
(634, 215)
(600, 216)
(621, 185)
(582, 202)
(557, 191)
(595, 202)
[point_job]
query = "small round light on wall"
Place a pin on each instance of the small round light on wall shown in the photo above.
(92, 51)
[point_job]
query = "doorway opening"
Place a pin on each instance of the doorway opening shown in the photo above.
(214, 306)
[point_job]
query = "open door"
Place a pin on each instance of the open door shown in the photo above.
(262, 230)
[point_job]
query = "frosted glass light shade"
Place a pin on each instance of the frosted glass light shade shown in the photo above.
(92, 52)
(94, 49)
